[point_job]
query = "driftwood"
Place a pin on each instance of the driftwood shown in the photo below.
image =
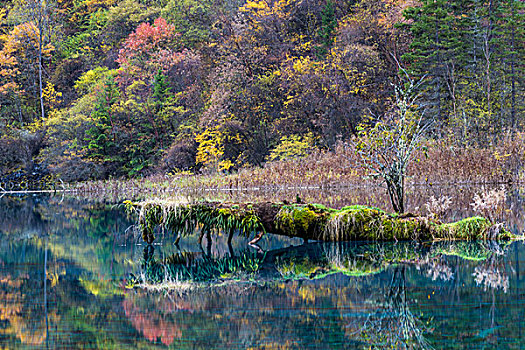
(306, 221)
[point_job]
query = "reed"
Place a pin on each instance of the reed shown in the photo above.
(438, 162)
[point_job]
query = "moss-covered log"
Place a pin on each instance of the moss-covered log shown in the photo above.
(310, 221)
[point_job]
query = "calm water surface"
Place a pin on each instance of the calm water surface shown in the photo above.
(64, 265)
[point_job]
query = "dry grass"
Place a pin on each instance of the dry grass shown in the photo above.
(331, 178)
(446, 163)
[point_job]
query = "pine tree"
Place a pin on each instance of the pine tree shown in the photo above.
(328, 25)
(432, 49)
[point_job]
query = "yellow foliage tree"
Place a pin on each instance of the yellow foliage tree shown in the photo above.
(293, 146)
(19, 51)
(211, 149)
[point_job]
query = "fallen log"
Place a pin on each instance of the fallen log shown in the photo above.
(306, 221)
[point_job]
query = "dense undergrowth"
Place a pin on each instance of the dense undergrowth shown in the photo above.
(437, 163)
(99, 89)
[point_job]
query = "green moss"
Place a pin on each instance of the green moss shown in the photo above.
(305, 221)
(298, 268)
(357, 223)
(476, 251)
(466, 252)
(362, 271)
(405, 229)
(469, 228)
(317, 268)
(360, 207)
(322, 208)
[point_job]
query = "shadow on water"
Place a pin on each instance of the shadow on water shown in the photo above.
(65, 264)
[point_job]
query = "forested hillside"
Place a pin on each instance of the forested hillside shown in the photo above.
(96, 88)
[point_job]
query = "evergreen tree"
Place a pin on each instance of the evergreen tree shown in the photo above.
(328, 25)
(469, 50)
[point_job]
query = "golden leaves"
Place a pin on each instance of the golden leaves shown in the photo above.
(20, 45)
(293, 146)
(50, 95)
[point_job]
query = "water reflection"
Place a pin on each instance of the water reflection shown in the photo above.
(392, 325)
(64, 267)
(357, 293)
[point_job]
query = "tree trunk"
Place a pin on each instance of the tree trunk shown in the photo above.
(40, 43)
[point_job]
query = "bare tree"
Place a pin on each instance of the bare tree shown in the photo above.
(386, 148)
(39, 13)
(393, 325)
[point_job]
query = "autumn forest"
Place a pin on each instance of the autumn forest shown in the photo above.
(92, 89)
(262, 174)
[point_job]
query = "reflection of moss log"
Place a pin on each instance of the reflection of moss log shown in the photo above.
(310, 261)
(476, 251)
(309, 221)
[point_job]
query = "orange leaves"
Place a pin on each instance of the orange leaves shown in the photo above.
(21, 44)
(7, 71)
(8, 65)
(23, 39)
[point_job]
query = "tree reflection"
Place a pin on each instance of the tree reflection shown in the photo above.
(438, 269)
(23, 312)
(392, 325)
(154, 323)
(320, 295)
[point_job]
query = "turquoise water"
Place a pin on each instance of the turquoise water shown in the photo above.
(64, 265)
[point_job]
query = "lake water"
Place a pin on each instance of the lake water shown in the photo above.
(65, 264)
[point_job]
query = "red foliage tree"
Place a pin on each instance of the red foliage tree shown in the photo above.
(148, 49)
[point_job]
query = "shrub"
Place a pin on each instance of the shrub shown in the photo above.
(293, 146)
(180, 156)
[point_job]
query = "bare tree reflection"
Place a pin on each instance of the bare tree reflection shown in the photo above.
(438, 269)
(392, 325)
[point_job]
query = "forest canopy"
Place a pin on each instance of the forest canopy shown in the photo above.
(96, 88)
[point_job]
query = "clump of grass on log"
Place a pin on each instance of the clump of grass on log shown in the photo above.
(367, 223)
(184, 219)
